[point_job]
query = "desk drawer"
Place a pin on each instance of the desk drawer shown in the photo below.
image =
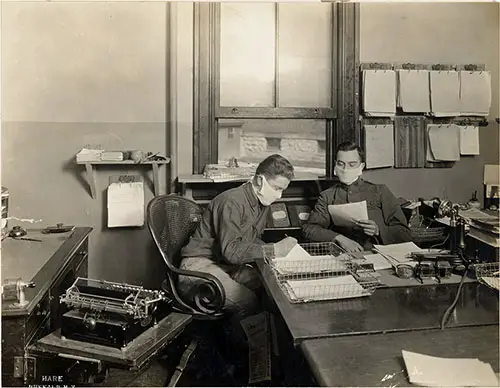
(38, 322)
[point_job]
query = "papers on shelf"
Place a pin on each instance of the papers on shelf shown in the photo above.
(398, 253)
(348, 214)
(432, 371)
(339, 287)
(469, 140)
(414, 91)
(379, 145)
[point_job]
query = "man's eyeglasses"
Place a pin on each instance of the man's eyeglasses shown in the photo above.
(341, 164)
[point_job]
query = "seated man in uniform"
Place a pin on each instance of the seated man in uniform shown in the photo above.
(386, 223)
(227, 239)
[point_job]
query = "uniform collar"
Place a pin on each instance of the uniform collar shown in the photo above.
(250, 194)
(354, 186)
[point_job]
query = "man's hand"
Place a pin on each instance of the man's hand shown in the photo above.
(369, 227)
(284, 246)
(348, 244)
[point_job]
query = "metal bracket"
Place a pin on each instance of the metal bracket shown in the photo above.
(30, 368)
(84, 359)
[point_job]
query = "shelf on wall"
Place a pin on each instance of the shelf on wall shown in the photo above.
(90, 167)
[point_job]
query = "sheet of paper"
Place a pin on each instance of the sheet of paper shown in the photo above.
(414, 93)
(445, 93)
(491, 174)
(398, 252)
(338, 287)
(379, 261)
(379, 146)
(125, 204)
(469, 140)
(432, 371)
(256, 328)
(313, 264)
(444, 141)
(348, 214)
(475, 93)
(379, 92)
(297, 253)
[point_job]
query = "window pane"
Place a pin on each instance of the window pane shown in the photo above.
(252, 140)
(305, 55)
(247, 51)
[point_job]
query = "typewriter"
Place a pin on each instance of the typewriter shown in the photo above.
(110, 314)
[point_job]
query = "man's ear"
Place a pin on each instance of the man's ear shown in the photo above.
(258, 181)
(363, 165)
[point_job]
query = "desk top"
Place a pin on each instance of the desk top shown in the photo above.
(364, 361)
(387, 310)
(39, 262)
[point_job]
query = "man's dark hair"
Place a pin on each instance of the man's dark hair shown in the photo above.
(350, 146)
(275, 165)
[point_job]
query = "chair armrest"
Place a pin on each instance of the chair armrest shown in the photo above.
(209, 296)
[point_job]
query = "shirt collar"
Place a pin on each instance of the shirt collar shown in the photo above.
(353, 186)
(250, 194)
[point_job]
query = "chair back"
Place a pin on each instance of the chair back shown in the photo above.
(172, 220)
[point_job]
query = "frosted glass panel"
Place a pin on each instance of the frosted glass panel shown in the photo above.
(302, 142)
(247, 54)
(305, 55)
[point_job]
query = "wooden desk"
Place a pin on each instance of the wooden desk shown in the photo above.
(53, 266)
(364, 361)
(387, 310)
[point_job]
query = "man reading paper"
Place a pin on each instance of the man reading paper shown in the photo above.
(385, 224)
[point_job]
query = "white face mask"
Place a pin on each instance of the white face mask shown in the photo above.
(348, 175)
(267, 194)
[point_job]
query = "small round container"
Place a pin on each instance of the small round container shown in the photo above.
(5, 212)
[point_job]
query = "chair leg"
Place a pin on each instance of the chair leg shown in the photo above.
(179, 369)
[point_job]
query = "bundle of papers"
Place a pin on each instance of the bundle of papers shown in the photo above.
(348, 214)
(475, 93)
(339, 287)
(298, 261)
(443, 143)
(398, 253)
(379, 93)
(445, 93)
(414, 91)
(432, 371)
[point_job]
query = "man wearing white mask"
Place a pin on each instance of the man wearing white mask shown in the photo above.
(386, 223)
(227, 239)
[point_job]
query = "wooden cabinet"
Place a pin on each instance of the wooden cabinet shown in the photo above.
(52, 265)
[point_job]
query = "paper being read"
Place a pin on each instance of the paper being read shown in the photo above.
(348, 214)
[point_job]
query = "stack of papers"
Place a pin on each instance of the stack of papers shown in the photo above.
(445, 93)
(339, 287)
(432, 371)
(398, 253)
(475, 93)
(379, 146)
(414, 91)
(379, 93)
(348, 214)
(379, 261)
(443, 143)
(298, 261)
(89, 155)
(469, 140)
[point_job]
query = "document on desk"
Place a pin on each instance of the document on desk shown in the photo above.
(379, 261)
(432, 371)
(125, 204)
(338, 287)
(348, 214)
(398, 253)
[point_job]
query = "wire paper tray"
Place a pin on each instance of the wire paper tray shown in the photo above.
(325, 272)
(488, 274)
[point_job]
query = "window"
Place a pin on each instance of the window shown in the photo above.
(277, 69)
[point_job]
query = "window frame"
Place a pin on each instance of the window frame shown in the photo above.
(341, 118)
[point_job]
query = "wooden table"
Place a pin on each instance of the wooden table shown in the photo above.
(387, 310)
(376, 360)
(53, 266)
